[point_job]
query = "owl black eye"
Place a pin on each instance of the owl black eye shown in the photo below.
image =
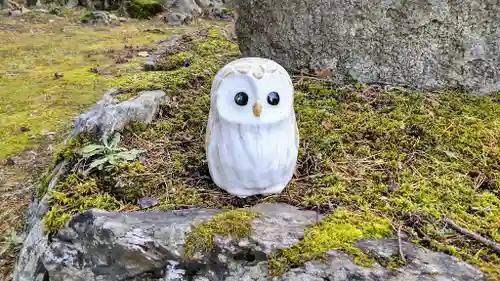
(241, 98)
(273, 98)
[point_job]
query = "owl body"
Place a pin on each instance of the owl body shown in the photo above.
(252, 139)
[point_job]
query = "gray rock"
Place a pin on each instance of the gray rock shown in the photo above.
(183, 11)
(148, 202)
(98, 245)
(422, 266)
(107, 116)
(100, 17)
(290, 221)
(177, 18)
(18, 12)
(424, 45)
(29, 266)
(110, 115)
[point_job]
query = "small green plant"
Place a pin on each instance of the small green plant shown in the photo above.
(111, 153)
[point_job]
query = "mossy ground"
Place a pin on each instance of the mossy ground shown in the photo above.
(413, 158)
(366, 153)
(36, 109)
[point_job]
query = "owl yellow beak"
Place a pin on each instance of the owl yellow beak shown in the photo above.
(257, 109)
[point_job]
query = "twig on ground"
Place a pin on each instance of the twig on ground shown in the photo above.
(401, 254)
(489, 243)
(308, 177)
(398, 233)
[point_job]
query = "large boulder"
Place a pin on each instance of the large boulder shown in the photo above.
(423, 45)
(98, 245)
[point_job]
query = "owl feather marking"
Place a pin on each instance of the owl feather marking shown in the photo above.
(228, 73)
(271, 68)
(243, 68)
(258, 72)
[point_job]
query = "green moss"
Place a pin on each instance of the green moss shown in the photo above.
(43, 184)
(137, 127)
(394, 262)
(337, 232)
(55, 219)
(47, 104)
(178, 60)
(214, 43)
(415, 157)
(125, 183)
(126, 96)
(72, 196)
(236, 224)
(143, 9)
(227, 11)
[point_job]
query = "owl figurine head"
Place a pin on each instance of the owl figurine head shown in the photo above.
(252, 139)
(253, 91)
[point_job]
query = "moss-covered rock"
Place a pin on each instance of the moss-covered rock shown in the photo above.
(143, 9)
(337, 232)
(235, 224)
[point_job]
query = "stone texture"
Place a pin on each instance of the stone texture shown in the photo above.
(109, 246)
(184, 11)
(148, 246)
(424, 45)
(101, 17)
(29, 266)
(110, 115)
(98, 245)
(421, 266)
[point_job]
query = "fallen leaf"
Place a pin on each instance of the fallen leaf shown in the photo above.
(322, 73)
(393, 186)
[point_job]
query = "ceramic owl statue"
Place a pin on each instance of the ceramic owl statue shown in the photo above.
(252, 139)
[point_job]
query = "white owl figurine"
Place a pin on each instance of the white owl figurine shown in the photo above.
(252, 139)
